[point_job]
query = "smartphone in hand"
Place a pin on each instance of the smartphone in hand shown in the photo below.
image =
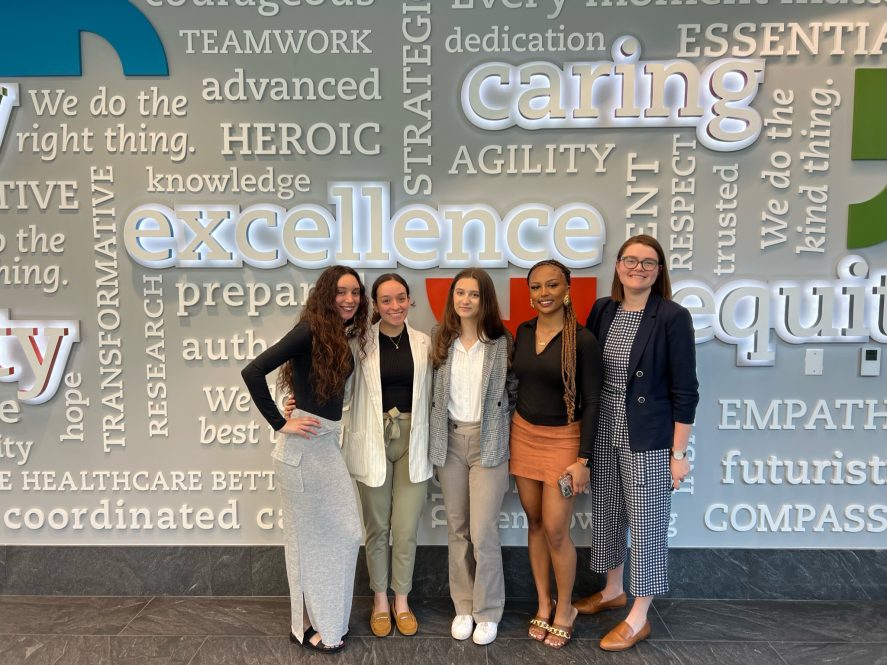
(565, 482)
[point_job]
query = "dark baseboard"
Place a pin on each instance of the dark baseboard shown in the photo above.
(259, 571)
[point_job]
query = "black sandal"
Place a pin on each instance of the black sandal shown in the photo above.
(320, 647)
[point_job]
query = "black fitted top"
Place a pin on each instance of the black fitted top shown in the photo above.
(540, 393)
(296, 346)
(396, 372)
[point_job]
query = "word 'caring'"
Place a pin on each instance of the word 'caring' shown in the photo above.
(623, 93)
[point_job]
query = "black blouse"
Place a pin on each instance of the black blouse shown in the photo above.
(540, 394)
(396, 372)
(295, 345)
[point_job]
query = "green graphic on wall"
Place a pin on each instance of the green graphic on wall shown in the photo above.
(867, 221)
(870, 115)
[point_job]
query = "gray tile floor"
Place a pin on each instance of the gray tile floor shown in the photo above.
(55, 630)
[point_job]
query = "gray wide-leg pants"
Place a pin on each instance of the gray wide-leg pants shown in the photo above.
(322, 531)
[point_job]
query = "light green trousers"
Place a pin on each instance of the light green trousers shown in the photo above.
(395, 507)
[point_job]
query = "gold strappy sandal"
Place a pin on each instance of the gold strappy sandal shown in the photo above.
(539, 622)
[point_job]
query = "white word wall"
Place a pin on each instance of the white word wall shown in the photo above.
(175, 174)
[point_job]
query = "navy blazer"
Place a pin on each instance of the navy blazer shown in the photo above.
(662, 387)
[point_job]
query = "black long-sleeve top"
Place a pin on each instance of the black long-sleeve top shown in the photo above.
(396, 372)
(540, 393)
(295, 345)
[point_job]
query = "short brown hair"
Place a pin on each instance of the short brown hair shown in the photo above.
(661, 286)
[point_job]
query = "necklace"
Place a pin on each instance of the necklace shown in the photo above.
(548, 339)
(397, 343)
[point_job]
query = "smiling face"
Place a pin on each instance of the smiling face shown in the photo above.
(638, 280)
(392, 303)
(548, 286)
(347, 296)
(466, 298)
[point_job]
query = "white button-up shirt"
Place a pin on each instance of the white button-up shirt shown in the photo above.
(466, 377)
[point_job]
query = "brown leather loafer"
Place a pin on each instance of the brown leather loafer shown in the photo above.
(595, 603)
(406, 623)
(623, 637)
(380, 623)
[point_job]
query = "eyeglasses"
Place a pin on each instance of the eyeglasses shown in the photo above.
(632, 262)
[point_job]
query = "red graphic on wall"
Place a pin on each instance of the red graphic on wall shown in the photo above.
(583, 292)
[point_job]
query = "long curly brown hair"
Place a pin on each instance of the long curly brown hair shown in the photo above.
(568, 342)
(489, 320)
(329, 336)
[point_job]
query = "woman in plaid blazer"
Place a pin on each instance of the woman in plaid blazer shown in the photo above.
(473, 395)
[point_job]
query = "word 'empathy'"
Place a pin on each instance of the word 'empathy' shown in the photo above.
(363, 232)
(623, 93)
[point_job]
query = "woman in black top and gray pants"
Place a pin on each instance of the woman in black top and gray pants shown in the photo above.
(322, 530)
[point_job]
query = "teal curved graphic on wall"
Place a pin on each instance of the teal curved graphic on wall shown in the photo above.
(42, 37)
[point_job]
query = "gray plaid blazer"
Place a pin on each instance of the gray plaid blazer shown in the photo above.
(499, 395)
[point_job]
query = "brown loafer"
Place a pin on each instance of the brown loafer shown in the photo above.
(406, 623)
(380, 623)
(595, 603)
(623, 637)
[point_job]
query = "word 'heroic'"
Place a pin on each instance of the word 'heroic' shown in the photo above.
(363, 232)
(623, 93)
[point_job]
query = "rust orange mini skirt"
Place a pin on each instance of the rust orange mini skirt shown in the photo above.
(542, 453)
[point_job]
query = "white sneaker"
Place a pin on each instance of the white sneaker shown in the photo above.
(485, 632)
(461, 628)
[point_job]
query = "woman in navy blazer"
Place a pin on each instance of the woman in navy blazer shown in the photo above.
(648, 405)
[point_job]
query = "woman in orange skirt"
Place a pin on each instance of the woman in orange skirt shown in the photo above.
(558, 365)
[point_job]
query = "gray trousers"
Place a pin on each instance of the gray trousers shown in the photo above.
(473, 497)
(395, 507)
(322, 532)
